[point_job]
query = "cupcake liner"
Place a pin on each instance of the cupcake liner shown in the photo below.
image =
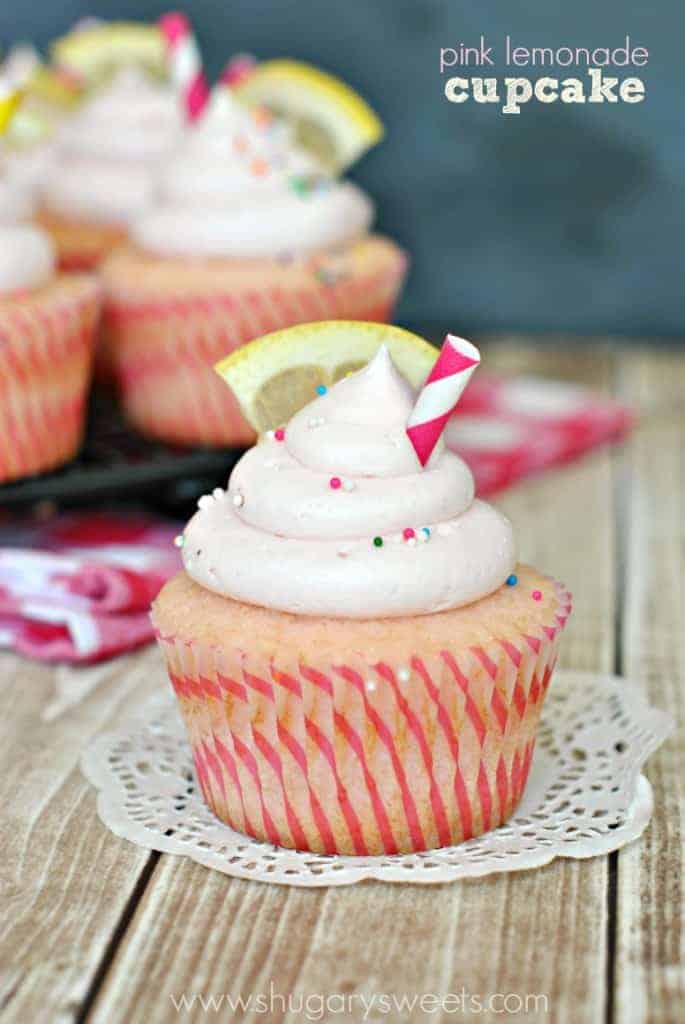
(45, 362)
(162, 338)
(80, 245)
(363, 755)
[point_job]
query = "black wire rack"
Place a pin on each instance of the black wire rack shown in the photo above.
(116, 464)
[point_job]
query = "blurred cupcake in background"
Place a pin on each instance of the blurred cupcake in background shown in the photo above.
(110, 151)
(47, 327)
(47, 330)
(252, 230)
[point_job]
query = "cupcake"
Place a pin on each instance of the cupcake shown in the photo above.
(359, 660)
(108, 154)
(251, 232)
(47, 327)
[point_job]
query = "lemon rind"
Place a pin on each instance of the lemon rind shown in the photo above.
(249, 368)
(355, 127)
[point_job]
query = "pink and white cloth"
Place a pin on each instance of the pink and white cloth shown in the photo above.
(78, 588)
(508, 428)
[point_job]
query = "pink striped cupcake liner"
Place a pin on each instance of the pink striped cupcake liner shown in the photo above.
(161, 348)
(363, 755)
(46, 350)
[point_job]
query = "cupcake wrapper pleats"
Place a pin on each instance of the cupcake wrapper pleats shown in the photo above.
(363, 755)
(161, 348)
(46, 350)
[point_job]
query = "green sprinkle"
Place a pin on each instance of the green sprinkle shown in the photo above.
(300, 185)
(378, 542)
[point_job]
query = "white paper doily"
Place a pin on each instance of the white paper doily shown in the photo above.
(585, 795)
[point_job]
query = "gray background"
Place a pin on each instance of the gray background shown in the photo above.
(562, 218)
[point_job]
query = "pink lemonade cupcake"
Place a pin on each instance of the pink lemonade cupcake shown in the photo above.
(47, 329)
(251, 233)
(358, 658)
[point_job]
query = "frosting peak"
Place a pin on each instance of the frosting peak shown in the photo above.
(336, 516)
(360, 424)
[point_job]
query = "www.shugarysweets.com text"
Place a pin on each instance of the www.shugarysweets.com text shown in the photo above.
(569, 74)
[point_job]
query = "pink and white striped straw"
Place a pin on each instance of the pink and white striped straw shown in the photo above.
(185, 63)
(439, 395)
(220, 99)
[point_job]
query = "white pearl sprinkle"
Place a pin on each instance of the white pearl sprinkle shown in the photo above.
(238, 499)
(218, 493)
(270, 434)
(179, 541)
(370, 685)
(411, 542)
(205, 501)
(349, 485)
(404, 675)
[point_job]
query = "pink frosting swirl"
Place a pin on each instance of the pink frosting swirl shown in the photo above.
(27, 256)
(229, 193)
(299, 526)
(111, 151)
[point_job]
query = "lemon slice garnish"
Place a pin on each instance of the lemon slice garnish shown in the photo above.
(329, 118)
(96, 51)
(275, 376)
(9, 103)
(46, 84)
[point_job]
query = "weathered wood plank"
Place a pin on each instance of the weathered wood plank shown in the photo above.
(542, 933)
(650, 969)
(64, 879)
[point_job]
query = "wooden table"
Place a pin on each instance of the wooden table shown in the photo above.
(93, 928)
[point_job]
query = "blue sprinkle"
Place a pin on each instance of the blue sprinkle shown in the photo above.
(512, 580)
(321, 389)
(425, 531)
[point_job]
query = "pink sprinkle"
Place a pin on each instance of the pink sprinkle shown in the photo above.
(335, 482)
(537, 595)
(279, 434)
(408, 533)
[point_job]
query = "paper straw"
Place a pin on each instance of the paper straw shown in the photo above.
(238, 69)
(221, 101)
(185, 63)
(439, 395)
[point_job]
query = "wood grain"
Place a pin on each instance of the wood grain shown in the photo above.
(539, 933)
(650, 971)
(64, 879)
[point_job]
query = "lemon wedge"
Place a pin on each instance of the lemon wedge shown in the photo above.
(95, 51)
(329, 118)
(47, 84)
(275, 376)
(9, 102)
